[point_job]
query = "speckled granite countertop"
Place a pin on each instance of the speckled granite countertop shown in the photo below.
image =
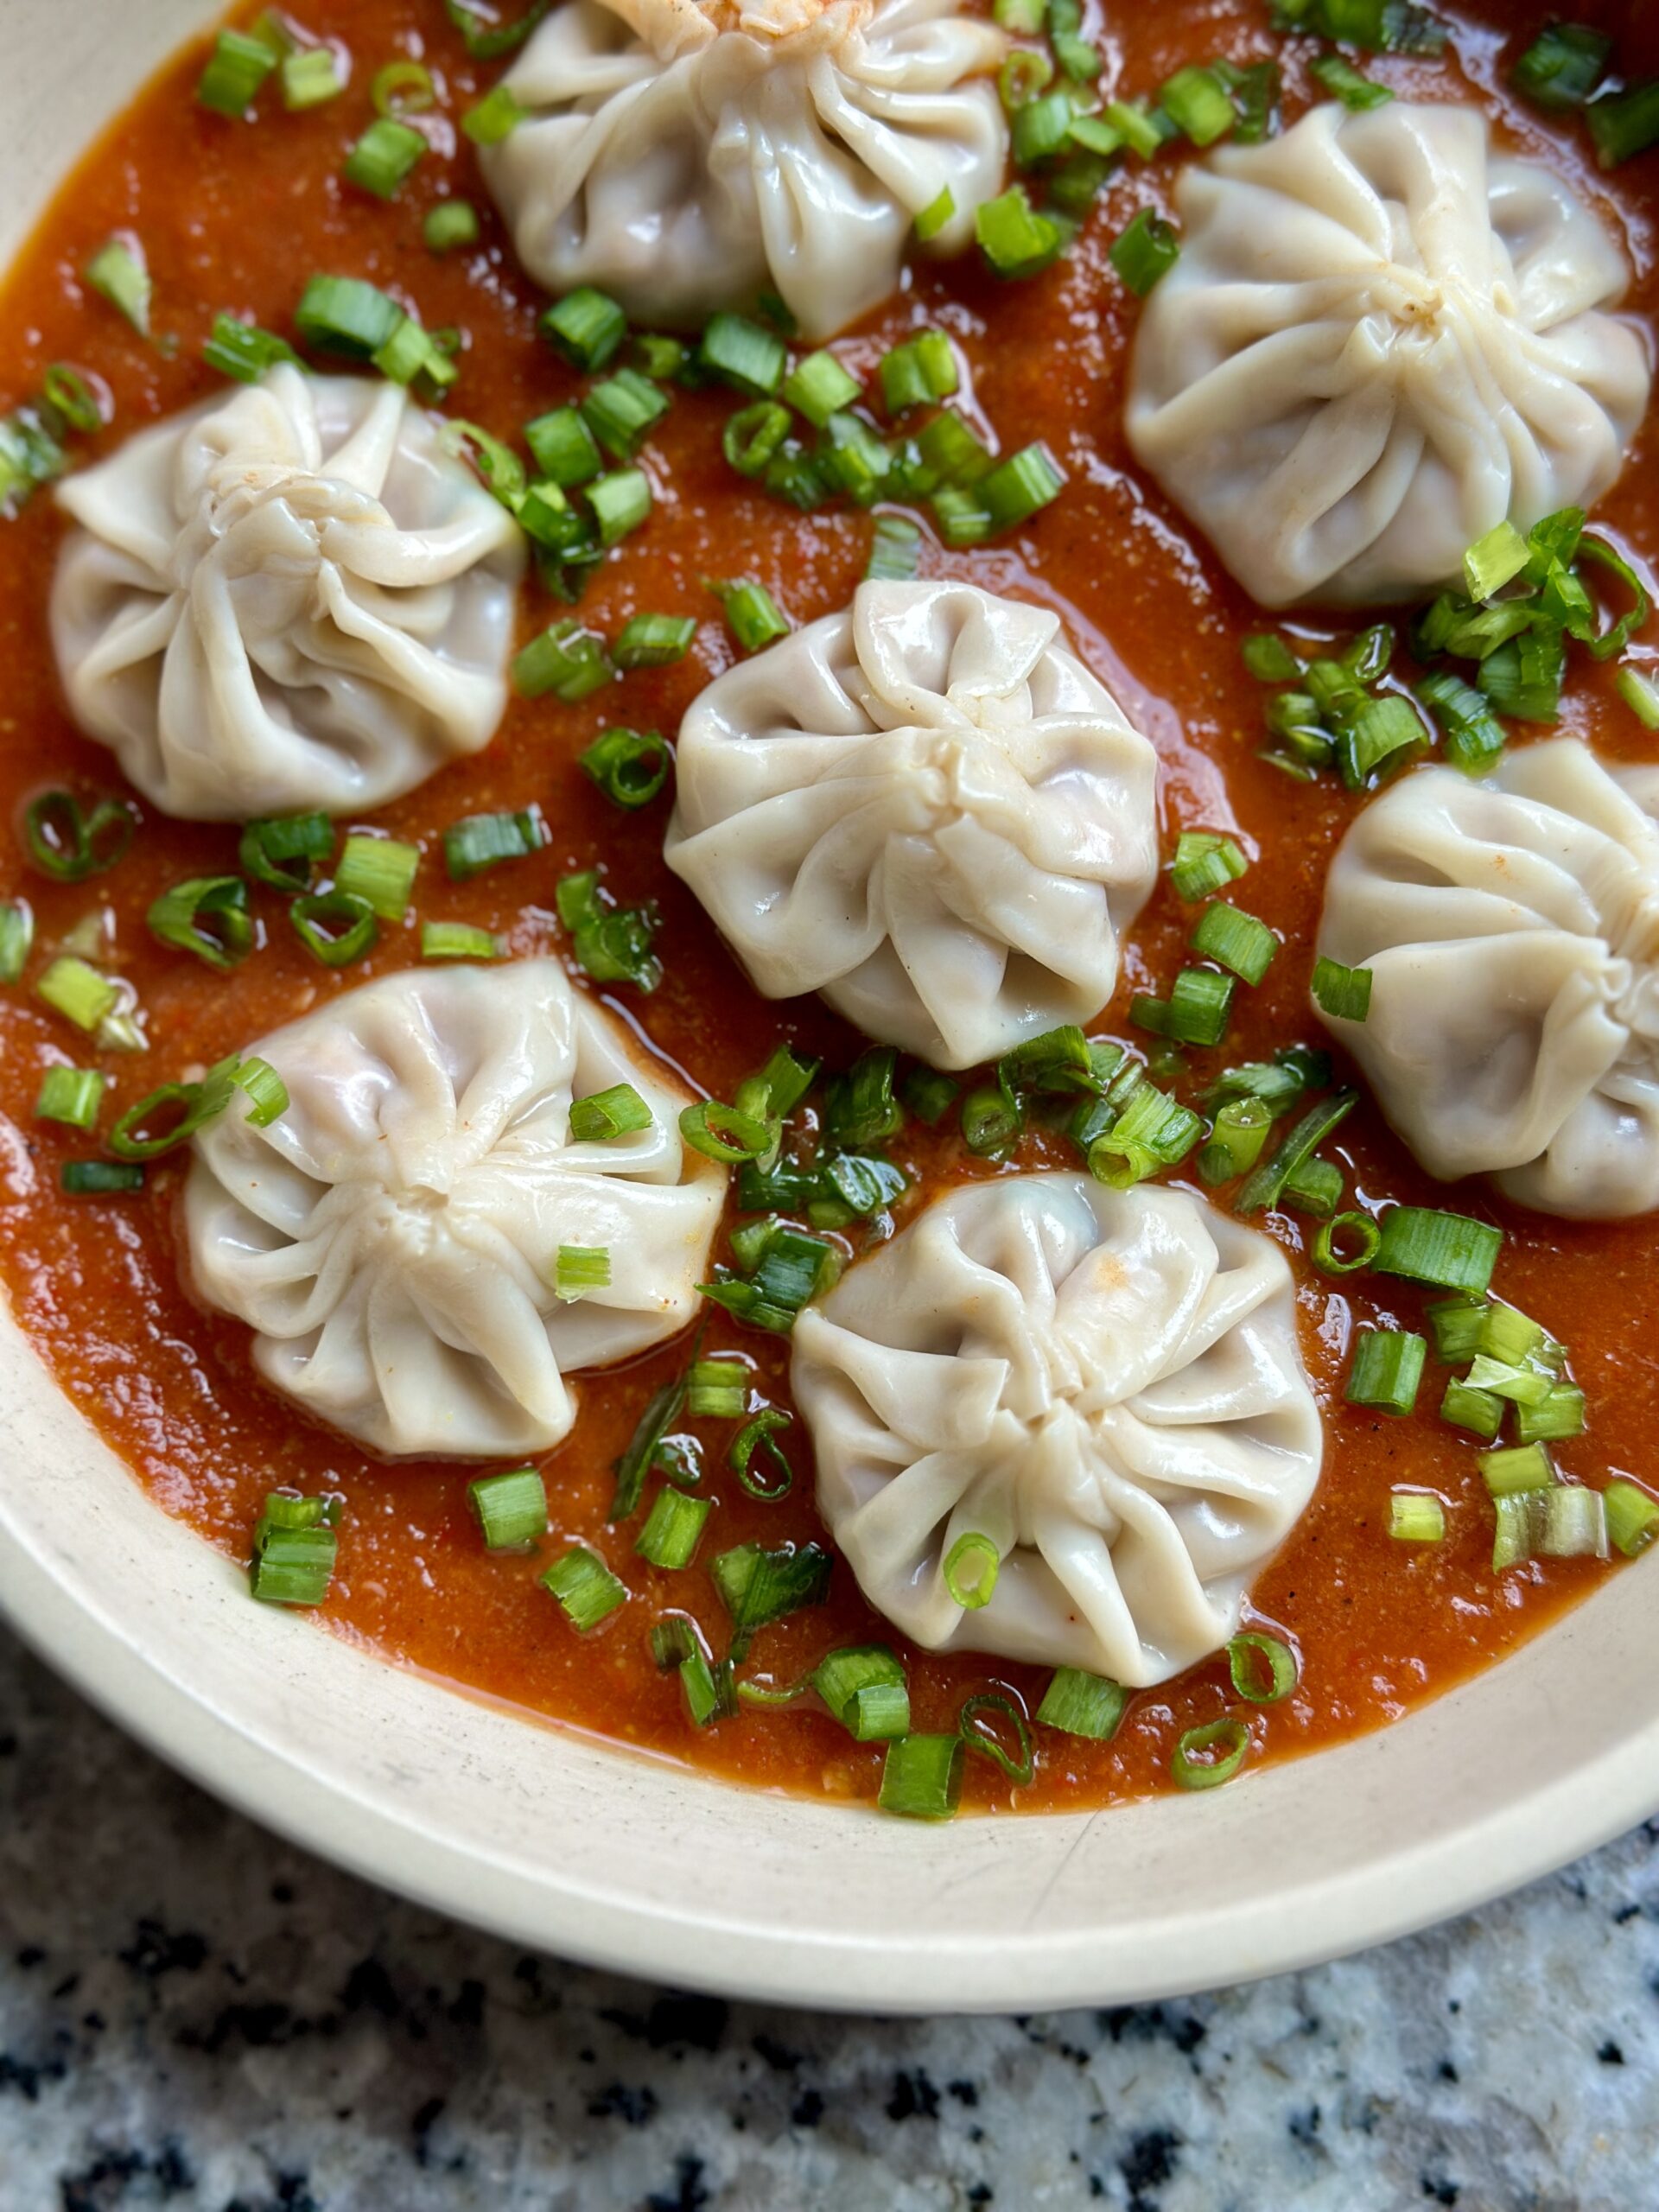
(194, 2016)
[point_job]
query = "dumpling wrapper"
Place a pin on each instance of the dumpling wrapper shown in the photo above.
(927, 809)
(1105, 1383)
(685, 157)
(1379, 342)
(391, 1239)
(1512, 926)
(287, 598)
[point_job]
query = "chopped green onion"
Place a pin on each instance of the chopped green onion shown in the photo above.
(487, 39)
(950, 451)
(1015, 239)
(334, 926)
(717, 1389)
(1197, 101)
(1145, 253)
(270, 850)
(566, 660)
(78, 992)
(673, 1528)
(1522, 1386)
(402, 87)
(1460, 1328)
(68, 845)
(380, 871)
(604, 1115)
(938, 212)
(1563, 65)
(991, 1123)
(1474, 736)
(722, 1132)
(344, 314)
(578, 1268)
(648, 1441)
(1555, 1417)
(921, 1778)
(1196, 1011)
(1022, 76)
(1625, 125)
(1343, 82)
(620, 502)
(864, 1688)
(1641, 695)
(1236, 1141)
(1204, 862)
(1020, 487)
(1508, 1474)
(622, 412)
(1153, 1130)
(612, 944)
(510, 1509)
(1344, 994)
(586, 326)
(970, 1571)
(1416, 1517)
(757, 1586)
(760, 1435)
(1477, 1411)
(1020, 1767)
(1493, 561)
(1607, 645)
(117, 273)
(71, 1096)
(384, 157)
(1574, 1522)
(859, 1107)
(1387, 1370)
(68, 393)
(207, 916)
(754, 437)
(1236, 940)
(479, 842)
(1445, 1248)
(1265, 1187)
(586, 1590)
(1206, 1757)
(629, 766)
(1269, 659)
(1251, 1652)
(293, 1556)
(243, 351)
(494, 117)
(654, 640)
(919, 372)
(169, 1117)
(752, 613)
(411, 351)
(1523, 678)
(706, 1688)
(1360, 1240)
(563, 448)
(458, 941)
(1080, 1704)
(1373, 733)
(1632, 1516)
(743, 354)
(84, 1178)
(16, 935)
(819, 387)
(896, 551)
(236, 69)
(311, 78)
(1315, 1187)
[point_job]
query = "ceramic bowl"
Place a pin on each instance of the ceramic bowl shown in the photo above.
(556, 1840)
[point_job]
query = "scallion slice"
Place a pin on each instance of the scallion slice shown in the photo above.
(1477, 1411)
(1267, 1185)
(236, 68)
(622, 412)
(1145, 253)
(980, 1737)
(1445, 1248)
(579, 1268)
(1016, 240)
(654, 640)
(864, 1688)
(511, 1508)
(117, 273)
(1522, 1468)
(494, 117)
(1345, 1244)
(757, 1586)
(1632, 1516)
(970, 1570)
(1236, 1140)
(1197, 101)
(71, 1095)
(1416, 1517)
(87, 1178)
(207, 916)
(604, 1115)
(934, 218)
(1206, 1756)
(742, 353)
(612, 943)
(1344, 994)
(384, 157)
(662, 1411)
(818, 387)
(722, 1132)
(919, 373)
(673, 1528)
(479, 842)
(1019, 487)
(752, 613)
(1474, 736)
(717, 1389)
(380, 871)
(294, 1552)
(587, 1590)
(1080, 1704)
(69, 845)
(1264, 1669)
(334, 926)
(1204, 862)
(759, 1435)
(484, 36)
(16, 935)
(243, 351)
(311, 78)
(1345, 83)
(568, 660)
(1236, 940)
(586, 326)
(78, 992)
(896, 550)
(1387, 1370)
(345, 315)
(284, 850)
(1627, 124)
(1563, 65)
(921, 1778)
(458, 941)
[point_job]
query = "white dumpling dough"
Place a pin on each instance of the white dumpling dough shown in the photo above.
(683, 157)
(1512, 926)
(1105, 1383)
(1380, 341)
(287, 598)
(927, 809)
(391, 1239)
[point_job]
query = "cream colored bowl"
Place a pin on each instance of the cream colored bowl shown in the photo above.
(550, 1838)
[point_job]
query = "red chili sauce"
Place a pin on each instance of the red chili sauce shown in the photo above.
(237, 215)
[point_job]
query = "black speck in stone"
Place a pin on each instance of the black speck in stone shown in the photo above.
(1096, 2186)
(282, 1893)
(690, 2195)
(1304, 2127)
(1626, 1914)
(1609, 2053)
(26, 2076)
(975, 2134)
(293, 2194)
(914, 2097)
(621, 2102)
(103, 2185)
(1454, 2004)
(69, 1986)
(421, 2128)
(1153, 2023)
(1448, 2072)
(1439, 2191)
(8, 1746)
(778, 2056)
(696, 2022)
(156, 1950)
(965, 2092)
(31, 1956)
(980, 2192)
(368, 1989)
(807, 2109)
(1150, 2162)
(261, 2027)
(468, 2011)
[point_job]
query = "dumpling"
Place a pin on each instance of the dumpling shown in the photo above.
(285, 599)
(927, 809)
(1379, 341)
(1105, 1383)
(1512, 926)
(392, 1240)
(685, 154)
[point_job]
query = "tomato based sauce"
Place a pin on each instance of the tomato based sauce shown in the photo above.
(236, 216)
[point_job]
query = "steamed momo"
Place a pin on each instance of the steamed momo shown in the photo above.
(685, 154)
(391, 1240)
(927, 809)
(1380, 340)
(288, 598)
(1105, 1383)
(1512, 926)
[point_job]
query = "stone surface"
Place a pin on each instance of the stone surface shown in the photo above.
(194, 2016)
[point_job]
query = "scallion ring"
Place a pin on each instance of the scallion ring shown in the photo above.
(970, 1570)
(207, 916)
(760, 1435)
(1206, 1757)
(722, 1132)
(629, 766)
(69, 845)
(1347, 1244)
(402, 87)
(1022, 1770)
(333, 927)
(1251, 1652)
